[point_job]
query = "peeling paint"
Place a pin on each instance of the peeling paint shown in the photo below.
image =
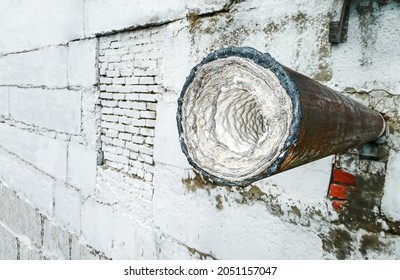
(200, 255)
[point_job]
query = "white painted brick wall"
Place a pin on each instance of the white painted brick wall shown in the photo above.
(67, 206)
(167, 135)
(56, 241)
(59, 22)
(128, 98)
(8, 244)
(82, 163)
(23, 177)
(4, 104)
(58, 110)
(44, 67)
(82, 63)
(19, 216)
(49, 155)
(96, 225)
(391, 197)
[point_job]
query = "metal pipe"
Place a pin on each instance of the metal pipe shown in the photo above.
(242, 117)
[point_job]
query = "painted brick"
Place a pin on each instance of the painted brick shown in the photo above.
(4, 104)
(118, 127)
(33, 184)
(125, 136)
(133, 147)
(132, 129)
(137, 139)
(112, 88)
(342, 177)
(337, 191)
(112, 73)
(112, 133)
(58, 110)
(167, 136)
(59, 22)
(105, 95)
(139, 88)
(338, 204)
(82, 164)
(146, 150)
(119, 96)
(8, 245)
(67, 207)
(109, 103)
(138, 106)
(132, 80)
(391, 193)
(124, 104)
(125, 89)
(133, 113)
(47, 66)
(89, 253)
(107, 110)
(109, 118)
(82, 65)
(56, 240)
(150, 123)
(126, 73)
(118, 81)
(29, 252)
(19, 216)
(124, 120)
(119, 143)
(139, 122)
(124, 237)
(151, 106)
(146, 80)
(147, 131)
(148, 115)
(104, 80)
(97, 225)
(148, 97)
(45, 153)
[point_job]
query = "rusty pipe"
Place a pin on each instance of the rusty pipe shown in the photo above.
(242, 116)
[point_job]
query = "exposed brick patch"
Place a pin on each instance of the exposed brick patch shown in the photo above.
(341, 183)
(339, 176)
(337, 191)
(129, 88)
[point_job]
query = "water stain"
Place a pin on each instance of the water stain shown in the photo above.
(339, 242)
(198, 182)
(370, 243)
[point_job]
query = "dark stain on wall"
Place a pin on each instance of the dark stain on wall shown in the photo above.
(339, 242)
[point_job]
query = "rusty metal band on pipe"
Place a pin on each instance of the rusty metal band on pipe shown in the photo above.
(242, 117)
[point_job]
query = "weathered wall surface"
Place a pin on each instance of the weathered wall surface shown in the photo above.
(90, 163)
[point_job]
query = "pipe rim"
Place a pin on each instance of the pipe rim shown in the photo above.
(266, 61)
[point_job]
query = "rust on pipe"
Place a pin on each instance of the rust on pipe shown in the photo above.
(242, 117)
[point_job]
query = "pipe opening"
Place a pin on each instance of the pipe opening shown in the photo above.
(239, 120)
(235, 118)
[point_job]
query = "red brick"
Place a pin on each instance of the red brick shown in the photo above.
(343, 177)
(337, 191)
(338, 204)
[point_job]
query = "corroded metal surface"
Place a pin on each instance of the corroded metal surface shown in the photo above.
(319, 120)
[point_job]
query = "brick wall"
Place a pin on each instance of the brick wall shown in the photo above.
(129, 89)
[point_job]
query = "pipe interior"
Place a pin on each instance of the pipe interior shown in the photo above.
(239, 120)
(235, 118)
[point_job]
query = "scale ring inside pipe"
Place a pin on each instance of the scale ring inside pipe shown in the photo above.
(238, 113)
